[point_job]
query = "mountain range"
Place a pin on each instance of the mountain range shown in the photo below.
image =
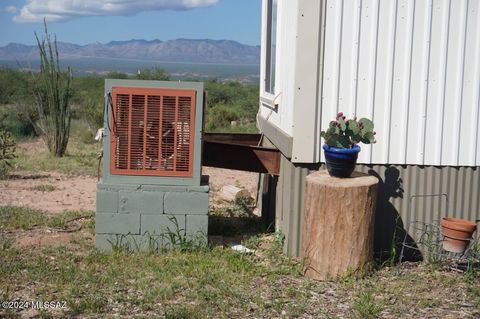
(179, 50)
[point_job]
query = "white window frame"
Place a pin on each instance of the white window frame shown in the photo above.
(267, 96)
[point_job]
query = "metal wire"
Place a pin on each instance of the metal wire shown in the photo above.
(110, 103)
(429, 245)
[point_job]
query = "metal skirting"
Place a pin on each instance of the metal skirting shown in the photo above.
(289, 203)
(407, 193)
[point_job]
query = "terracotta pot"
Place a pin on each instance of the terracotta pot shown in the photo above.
(457, 233)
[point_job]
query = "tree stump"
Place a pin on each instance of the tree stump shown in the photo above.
(338, 225)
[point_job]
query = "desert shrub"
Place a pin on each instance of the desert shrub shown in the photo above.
(7, 153)
(231, 101)
(88, 101)
(90, 109)
(93, 112)
(16, 113)
(117, 75)
(87, 137)
(223, 93)
(15, 121)
(14, 86)
(221, 116)
(153, 74)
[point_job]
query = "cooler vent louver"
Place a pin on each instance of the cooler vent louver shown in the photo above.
(152, 132)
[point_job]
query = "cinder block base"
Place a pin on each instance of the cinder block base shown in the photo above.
(187, 203)
(114, 223)
(196, 226)
(163, 224)
(139, 217)
(146, 242)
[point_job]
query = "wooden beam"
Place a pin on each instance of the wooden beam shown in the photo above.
(233, 138)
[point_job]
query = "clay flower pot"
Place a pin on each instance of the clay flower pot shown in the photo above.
(457, 233)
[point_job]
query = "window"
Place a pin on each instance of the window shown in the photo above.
(271, 42)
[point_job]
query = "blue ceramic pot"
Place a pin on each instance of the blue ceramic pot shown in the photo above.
(341, 161)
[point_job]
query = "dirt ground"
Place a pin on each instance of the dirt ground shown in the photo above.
(78, 192)
(69, 192)
(55, 193)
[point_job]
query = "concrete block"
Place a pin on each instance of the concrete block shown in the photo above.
(151, 202)
(131, 242)
(141, 202)
(107, 201)
(162, 224)
(117, 241)
(128, 202)
(116, 187)
(104, 241)
(186, 203)
(163, 188)
(197, 226)
(199, 189)
(117, 223)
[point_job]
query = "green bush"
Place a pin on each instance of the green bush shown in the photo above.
(87, 137)
(4, 170)
(117, 75)
(15, 122)
(153, 74)
(221, 116)
(90, 109)
(231, 101)
(87, 100)
(17, 114)
(14, 86)
(7, 153)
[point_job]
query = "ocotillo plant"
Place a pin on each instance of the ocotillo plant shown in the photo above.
(344, 133)
(52, 89)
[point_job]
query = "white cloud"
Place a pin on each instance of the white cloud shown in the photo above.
(58, 10)
(10, 9)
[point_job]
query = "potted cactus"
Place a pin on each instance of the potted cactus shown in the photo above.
(341, 139)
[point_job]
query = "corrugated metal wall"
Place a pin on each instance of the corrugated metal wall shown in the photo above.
(412, 193)
(412, 66)
(409, 194)
(289, 204)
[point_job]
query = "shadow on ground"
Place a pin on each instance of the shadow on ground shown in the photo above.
(224, 230)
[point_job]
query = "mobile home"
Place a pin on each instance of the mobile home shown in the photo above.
(411, 66)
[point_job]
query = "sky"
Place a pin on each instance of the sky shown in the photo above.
(89, 21)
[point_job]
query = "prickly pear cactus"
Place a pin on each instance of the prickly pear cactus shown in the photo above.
(344, 133)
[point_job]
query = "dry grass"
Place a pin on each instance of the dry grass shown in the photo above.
(80, 158)
(208, 282)
(216, 283)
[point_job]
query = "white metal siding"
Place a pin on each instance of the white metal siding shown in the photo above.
(412, 66)
(307, 71)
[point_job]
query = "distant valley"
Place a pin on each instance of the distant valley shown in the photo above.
(182, 58)
(180, 50)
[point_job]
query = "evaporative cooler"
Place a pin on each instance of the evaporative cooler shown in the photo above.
(151, 192)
